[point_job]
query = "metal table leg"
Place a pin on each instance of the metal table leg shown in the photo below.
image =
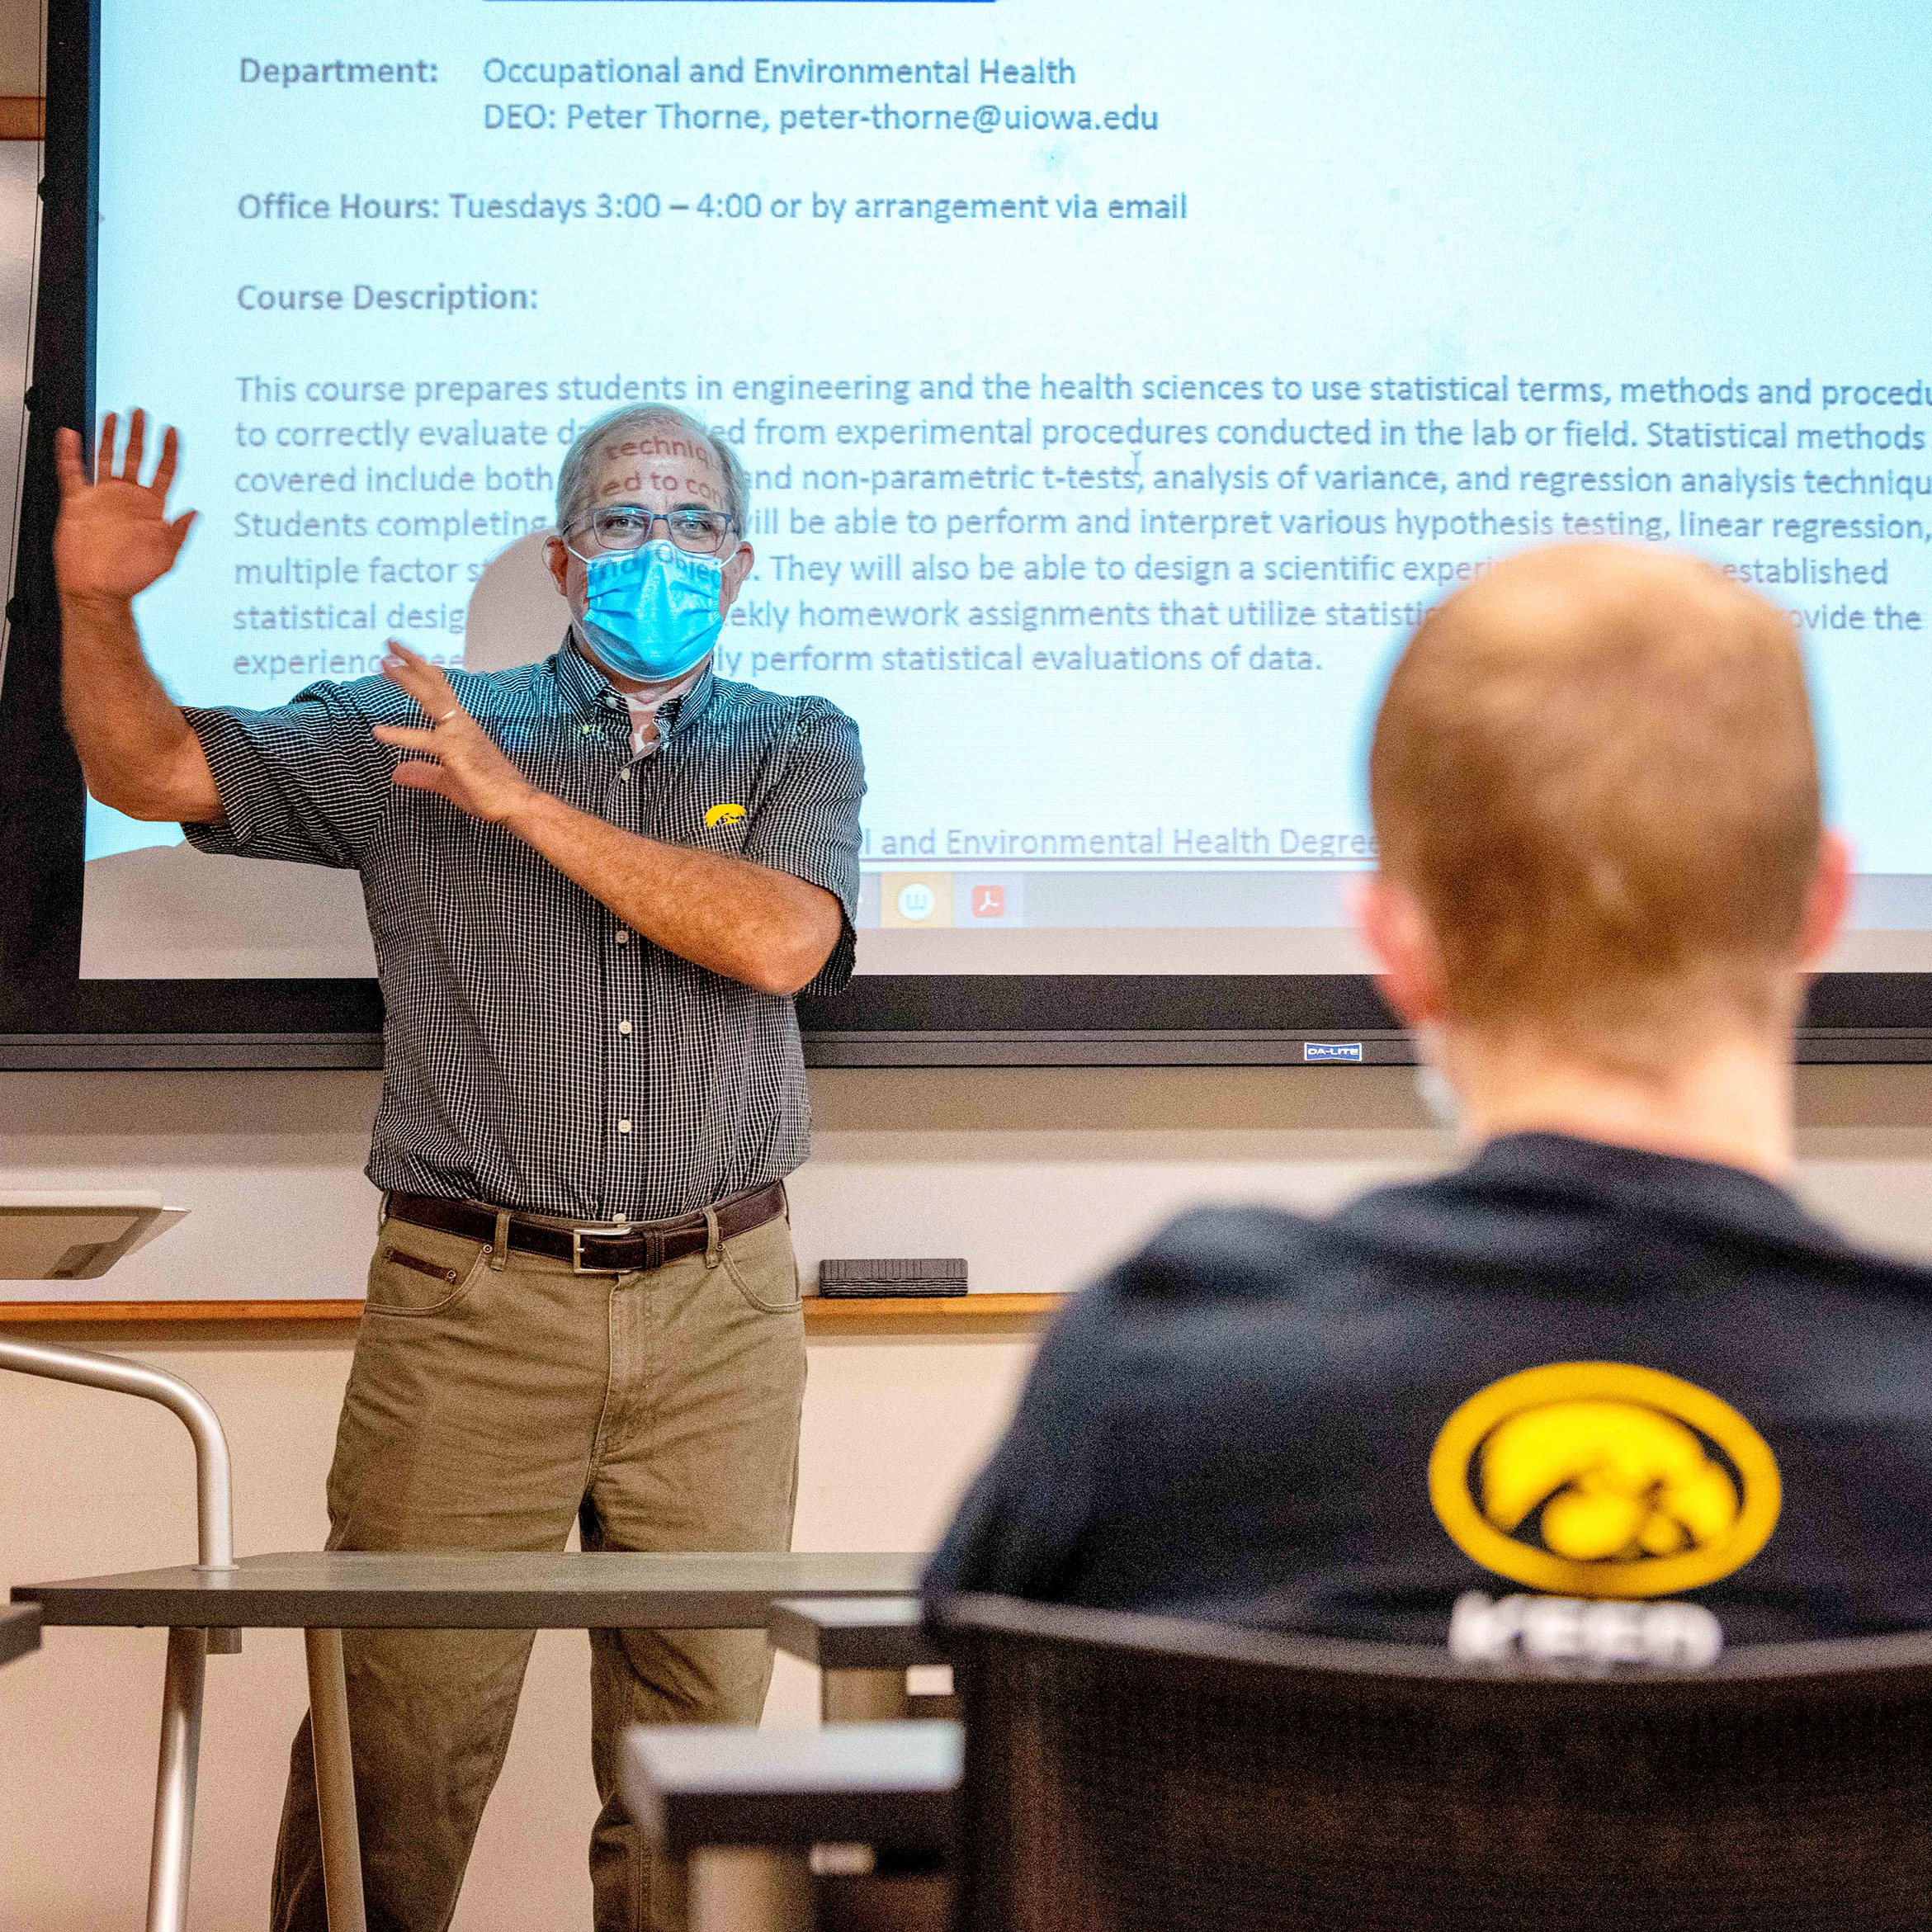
(335, 1781)
(862, 1696)
(751, 1888)
(174, 1782)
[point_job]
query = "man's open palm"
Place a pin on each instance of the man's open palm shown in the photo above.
(114, 537)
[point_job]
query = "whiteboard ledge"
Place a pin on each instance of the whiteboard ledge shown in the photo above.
(939, 1312)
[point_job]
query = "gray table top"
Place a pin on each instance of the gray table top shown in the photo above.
(19, 1632)
(853, 1634)
(453, 1589)
(894, 1785)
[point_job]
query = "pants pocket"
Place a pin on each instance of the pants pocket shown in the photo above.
(422, 1271)
(763, 1267)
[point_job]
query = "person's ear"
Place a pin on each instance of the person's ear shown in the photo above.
(736, 573)
(557, 560)
(1394, 929)
(1827, 900)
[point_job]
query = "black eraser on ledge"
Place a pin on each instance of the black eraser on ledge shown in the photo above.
(922, 1275)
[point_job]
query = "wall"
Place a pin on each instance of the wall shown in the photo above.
(1037, 1177)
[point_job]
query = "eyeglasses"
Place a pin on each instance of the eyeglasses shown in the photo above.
(627, 527)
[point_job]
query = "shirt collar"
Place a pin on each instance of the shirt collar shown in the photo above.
(585, 688)
(691, 706)
(1708, 1190)
(584, 685)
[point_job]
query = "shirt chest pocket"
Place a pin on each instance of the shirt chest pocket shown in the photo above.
(708, 793)
(716, 818)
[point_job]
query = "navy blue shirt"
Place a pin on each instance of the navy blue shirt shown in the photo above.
(1312, 1424)
(537, 1053)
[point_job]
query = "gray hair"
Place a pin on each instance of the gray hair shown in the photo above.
(573, 478)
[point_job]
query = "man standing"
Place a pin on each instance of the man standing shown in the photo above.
(594, 885)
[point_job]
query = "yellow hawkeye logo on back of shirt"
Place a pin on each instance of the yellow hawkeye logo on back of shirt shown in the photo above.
(724, 815)
(1597, 1479)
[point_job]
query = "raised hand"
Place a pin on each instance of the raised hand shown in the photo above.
(455, 756)
(114, 537)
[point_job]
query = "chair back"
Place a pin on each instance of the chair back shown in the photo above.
(1128, 1772)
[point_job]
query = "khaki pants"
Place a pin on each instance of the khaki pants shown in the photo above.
(489, 1406)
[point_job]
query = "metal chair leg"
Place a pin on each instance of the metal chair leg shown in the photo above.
(187, 1649)
(174, 1784)
(335, 1781)
(214, 1507)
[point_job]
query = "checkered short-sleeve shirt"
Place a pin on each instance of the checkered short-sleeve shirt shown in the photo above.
(536, 1053)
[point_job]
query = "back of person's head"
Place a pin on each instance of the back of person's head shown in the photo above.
(1594, 772)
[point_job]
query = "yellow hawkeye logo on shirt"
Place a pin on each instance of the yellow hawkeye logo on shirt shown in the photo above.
(724, 815)
(1598, 1479)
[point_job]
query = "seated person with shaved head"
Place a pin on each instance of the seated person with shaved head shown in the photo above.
(1606, 1391)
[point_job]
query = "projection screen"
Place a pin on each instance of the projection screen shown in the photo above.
(1118, 385)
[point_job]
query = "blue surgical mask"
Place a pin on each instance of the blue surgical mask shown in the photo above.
(653, 612)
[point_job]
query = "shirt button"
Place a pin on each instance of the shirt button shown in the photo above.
(623, 935)
(623, 1026)
(585, 731)
(623, 1127)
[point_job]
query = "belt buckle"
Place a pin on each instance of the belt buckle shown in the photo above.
(577, 1235)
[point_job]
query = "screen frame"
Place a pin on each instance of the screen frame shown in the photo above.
(50, 1017)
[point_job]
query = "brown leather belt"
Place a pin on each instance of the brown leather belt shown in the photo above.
(595, 1247)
